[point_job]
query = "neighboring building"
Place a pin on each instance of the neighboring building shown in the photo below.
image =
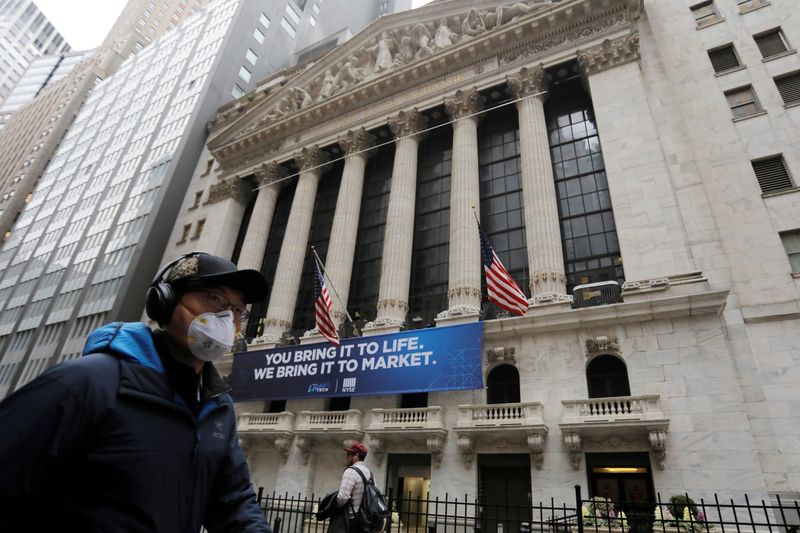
(648, 146)
(33, 132)
(91, 235)
(42, 72)
(140, 23)
(25, 34)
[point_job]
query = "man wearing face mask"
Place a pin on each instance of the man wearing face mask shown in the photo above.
(138, 434)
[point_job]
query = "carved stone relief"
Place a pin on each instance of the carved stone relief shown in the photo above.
(602, 344)
(609, 54)
(233, 187)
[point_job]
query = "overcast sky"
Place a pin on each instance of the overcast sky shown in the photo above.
(85, 23)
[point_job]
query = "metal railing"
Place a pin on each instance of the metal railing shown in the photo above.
(467, 514)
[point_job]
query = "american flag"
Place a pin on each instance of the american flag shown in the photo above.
(323, 306)
(501, 288)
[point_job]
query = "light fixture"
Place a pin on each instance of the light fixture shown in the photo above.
(620, 470)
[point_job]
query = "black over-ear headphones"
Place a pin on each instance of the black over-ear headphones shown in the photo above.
(161, 297)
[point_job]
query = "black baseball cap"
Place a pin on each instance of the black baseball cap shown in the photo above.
(200, 269)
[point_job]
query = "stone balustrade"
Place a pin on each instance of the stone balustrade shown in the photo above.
(624, 408)
(408, 418)
(637, 419)
(497, 415)
(249, 423)
(329, 420)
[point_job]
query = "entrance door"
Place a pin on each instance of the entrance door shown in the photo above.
(626, 479)
(504, 491)
(409, 481)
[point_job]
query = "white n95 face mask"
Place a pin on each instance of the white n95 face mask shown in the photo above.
(211, 335)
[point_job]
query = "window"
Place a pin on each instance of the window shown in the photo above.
(413, 400)
(251, 57)
(312, 21)
(245, 74)
(199, 230)
(743, 102)
(258, 36)
(791, 243)
(264, 20)
(607, 377)
(705, 13)
(502, 385)
(276, 406)
(789, 87)
(237, 92)
(187, 228)
(771, 174)
(292, 14)
(750, 5)
(771, 43)
(339, 403)
(723, 59)
(198, 197)
(288, 27)
(315, 7)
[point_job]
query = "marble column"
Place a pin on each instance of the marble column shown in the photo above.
(344, 230)
(295, 246)
(542, 230)
(398, 236)
(465, 266)
(255, 240)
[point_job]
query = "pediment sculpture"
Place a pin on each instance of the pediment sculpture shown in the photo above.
(395, 48)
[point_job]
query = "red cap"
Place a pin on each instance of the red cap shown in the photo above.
(358, 449)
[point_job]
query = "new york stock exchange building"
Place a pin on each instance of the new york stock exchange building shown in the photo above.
(630, 162)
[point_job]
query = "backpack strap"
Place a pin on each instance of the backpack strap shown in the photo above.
(363, 494)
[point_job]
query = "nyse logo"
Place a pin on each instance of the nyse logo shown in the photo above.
(349, 385)
(318, 387)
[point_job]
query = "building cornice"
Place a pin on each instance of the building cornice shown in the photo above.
(248, 134)
(684, 305)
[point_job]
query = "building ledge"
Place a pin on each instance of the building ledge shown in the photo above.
(260, 430)
(422, 427)
(604, 418)
(514, 423)
(778, 56)
(675, 296)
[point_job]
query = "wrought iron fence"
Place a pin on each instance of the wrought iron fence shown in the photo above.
(413, 514)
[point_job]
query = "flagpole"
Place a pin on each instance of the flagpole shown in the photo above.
(319, 261)
(476, 216)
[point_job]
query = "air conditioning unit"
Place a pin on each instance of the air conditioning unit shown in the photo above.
(600, 293)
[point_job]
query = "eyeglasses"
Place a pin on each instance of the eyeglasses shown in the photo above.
(221, 303)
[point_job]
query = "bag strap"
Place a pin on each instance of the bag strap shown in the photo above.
(363, 494)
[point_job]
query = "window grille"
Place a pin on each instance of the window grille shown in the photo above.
(724, 58)
(772, 174)
(789, 87)
(771, 43)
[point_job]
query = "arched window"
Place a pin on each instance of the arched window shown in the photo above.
(502, 385)
(607, 376)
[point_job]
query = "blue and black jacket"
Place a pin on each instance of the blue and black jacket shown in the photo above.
(107, 443)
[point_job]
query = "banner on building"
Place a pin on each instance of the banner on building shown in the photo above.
(433, 359)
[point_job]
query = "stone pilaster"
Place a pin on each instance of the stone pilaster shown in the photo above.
(398, 237)
(295, 243)
(464, 288)
(545, 254)
(344, 230)
(255, 240)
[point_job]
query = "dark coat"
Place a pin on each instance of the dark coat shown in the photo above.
(104, 443)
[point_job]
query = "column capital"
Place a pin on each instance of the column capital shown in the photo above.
(464, 103)
(408, 123)
(609, 54)
(269, 173)
(529, 81)
(310, 157)
(353, 142)
(233, 187)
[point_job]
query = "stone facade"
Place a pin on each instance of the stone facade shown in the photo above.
(707, 328)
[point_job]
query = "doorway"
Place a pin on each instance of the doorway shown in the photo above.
(504, 492)
(627, 480)
(409, 482)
